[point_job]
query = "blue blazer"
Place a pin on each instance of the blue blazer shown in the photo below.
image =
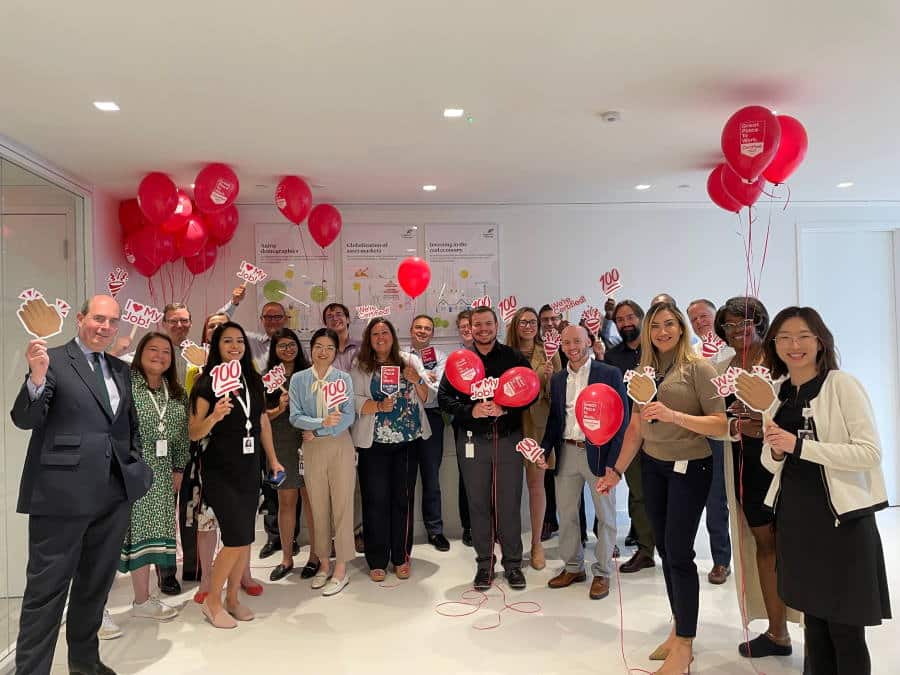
(598, 457)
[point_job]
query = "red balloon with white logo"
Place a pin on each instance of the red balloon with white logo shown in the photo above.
(177, 222)
(324, 224)
(215, 188)
(293, 198)
(205, 259)
(750, 140)
(791, 150)
(600, 412)
(717, 193)
(518, 387)
(193, 238)
(158, 197)
(413, 275)
(143, 251)
(463, 369)
(742, 191)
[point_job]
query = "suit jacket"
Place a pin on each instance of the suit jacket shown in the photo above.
(598, 457)
(75, 438)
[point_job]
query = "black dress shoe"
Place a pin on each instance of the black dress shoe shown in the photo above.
(439, 541)
(631, 539)
(640, 560)
(269, 548)
(547, 531)
(168, 582)
(309, 569)
(280, 572)
(97, 668)
(515, 577)
(467, 537)
(483, 579)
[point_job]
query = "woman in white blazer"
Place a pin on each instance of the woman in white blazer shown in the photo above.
(822, 448)
(390, 391)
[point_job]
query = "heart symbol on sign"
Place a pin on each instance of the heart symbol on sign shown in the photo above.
(136, 307)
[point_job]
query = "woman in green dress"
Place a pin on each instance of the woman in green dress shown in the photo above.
(161, 405)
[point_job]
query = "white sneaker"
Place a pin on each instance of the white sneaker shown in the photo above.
(108, 629)
(153, 609)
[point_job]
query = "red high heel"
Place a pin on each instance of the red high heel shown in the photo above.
(252, 588)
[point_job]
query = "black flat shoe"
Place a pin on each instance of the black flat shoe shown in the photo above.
(467, 537)
(310, 569)
(483, 579)
(515, 578)
(168, 583)
(296, 547)
(269, 548)
(439, 541)
(763, 645)
(631, 538)
(280, 572)
(97, 668)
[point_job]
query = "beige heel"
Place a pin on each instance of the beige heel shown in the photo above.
(538, 561)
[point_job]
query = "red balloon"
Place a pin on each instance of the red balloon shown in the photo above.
(221, 226)
(518, 387)
(293, 198)
(143, 252)
(742, 191)
(131, 218)
(717, 193)
(215, 188)
(600, 412)
(205, 259)
(750, 140)
(791, 150)
(157, 197)
(324, 224)
(193, 238)
(166, 250)
(463, 369)
(176, 223)
(413, 274)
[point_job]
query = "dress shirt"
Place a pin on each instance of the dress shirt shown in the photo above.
(111, 387)
(437, 369)
(344, 359)
(576, 381)
(623, 357)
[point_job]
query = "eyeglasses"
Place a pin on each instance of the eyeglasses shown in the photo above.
(740, 325)
(111, 320)
(272, 317)
(286, 347)
(175, 322)
(528, 322)
(785, 340)
(323, 348)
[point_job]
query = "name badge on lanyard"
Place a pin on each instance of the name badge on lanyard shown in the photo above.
(162, 444)
(248, 441)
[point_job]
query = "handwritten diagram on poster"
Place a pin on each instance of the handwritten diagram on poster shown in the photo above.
(369, 260)
(464, 262)
(300, 276)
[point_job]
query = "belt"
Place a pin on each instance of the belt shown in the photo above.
(577, 444)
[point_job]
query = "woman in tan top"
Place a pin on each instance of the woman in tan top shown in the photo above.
(676, 467)
(523, 336)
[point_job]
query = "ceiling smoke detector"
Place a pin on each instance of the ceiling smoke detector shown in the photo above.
(610, 116)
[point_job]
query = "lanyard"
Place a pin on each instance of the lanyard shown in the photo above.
(161, 412)
(245, 404)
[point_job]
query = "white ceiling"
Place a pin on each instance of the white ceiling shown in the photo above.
(350, 94)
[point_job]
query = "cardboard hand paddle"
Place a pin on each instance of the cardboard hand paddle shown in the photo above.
(755, 391)
(193, 353)
(40, 320)
(641, 388)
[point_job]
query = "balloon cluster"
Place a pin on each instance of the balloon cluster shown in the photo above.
(163, 224)
(759, 146)
(294, 199)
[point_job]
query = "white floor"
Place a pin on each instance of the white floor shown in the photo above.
(370, 629)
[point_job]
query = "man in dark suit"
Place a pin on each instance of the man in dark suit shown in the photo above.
(83, 471)
(578, 461)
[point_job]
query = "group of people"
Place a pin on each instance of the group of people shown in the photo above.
(121, 456)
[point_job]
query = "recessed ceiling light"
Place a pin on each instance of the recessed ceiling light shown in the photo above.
(845, 184)
(429, 188)
(642, 186)
(454, 112)
(106, 106)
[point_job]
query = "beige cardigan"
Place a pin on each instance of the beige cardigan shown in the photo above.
(534, 418)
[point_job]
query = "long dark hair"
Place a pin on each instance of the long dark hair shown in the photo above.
(300, 362)
(512, 335)
(826, 358)
(176, 391)
(248, 370)
(366, 356)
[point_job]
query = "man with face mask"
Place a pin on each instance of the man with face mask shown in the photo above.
(625, 356)
(578, 461)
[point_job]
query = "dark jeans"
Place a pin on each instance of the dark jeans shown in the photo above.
(836, 648)
(717, 509)
(637, 508)
(464, 518)
(431, 451)
(387, 474)
(494, 487)
(675, 503)
(550, 517)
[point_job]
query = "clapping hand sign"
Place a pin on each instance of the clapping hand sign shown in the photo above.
(40, 319)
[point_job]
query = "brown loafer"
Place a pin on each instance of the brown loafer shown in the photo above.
(599, 588)
(640, 560)
(719, 574)
(565, 578)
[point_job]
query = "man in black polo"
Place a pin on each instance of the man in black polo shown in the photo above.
(625, 356)
(488, 434)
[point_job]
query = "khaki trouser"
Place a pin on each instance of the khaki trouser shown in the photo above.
(330, 474)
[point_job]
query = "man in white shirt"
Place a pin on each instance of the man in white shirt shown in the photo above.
(578, 461)
(431, 450)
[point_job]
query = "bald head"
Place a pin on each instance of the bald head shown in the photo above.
(575, 344)
(98, 322)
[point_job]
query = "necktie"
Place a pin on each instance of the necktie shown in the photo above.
(98, 373)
